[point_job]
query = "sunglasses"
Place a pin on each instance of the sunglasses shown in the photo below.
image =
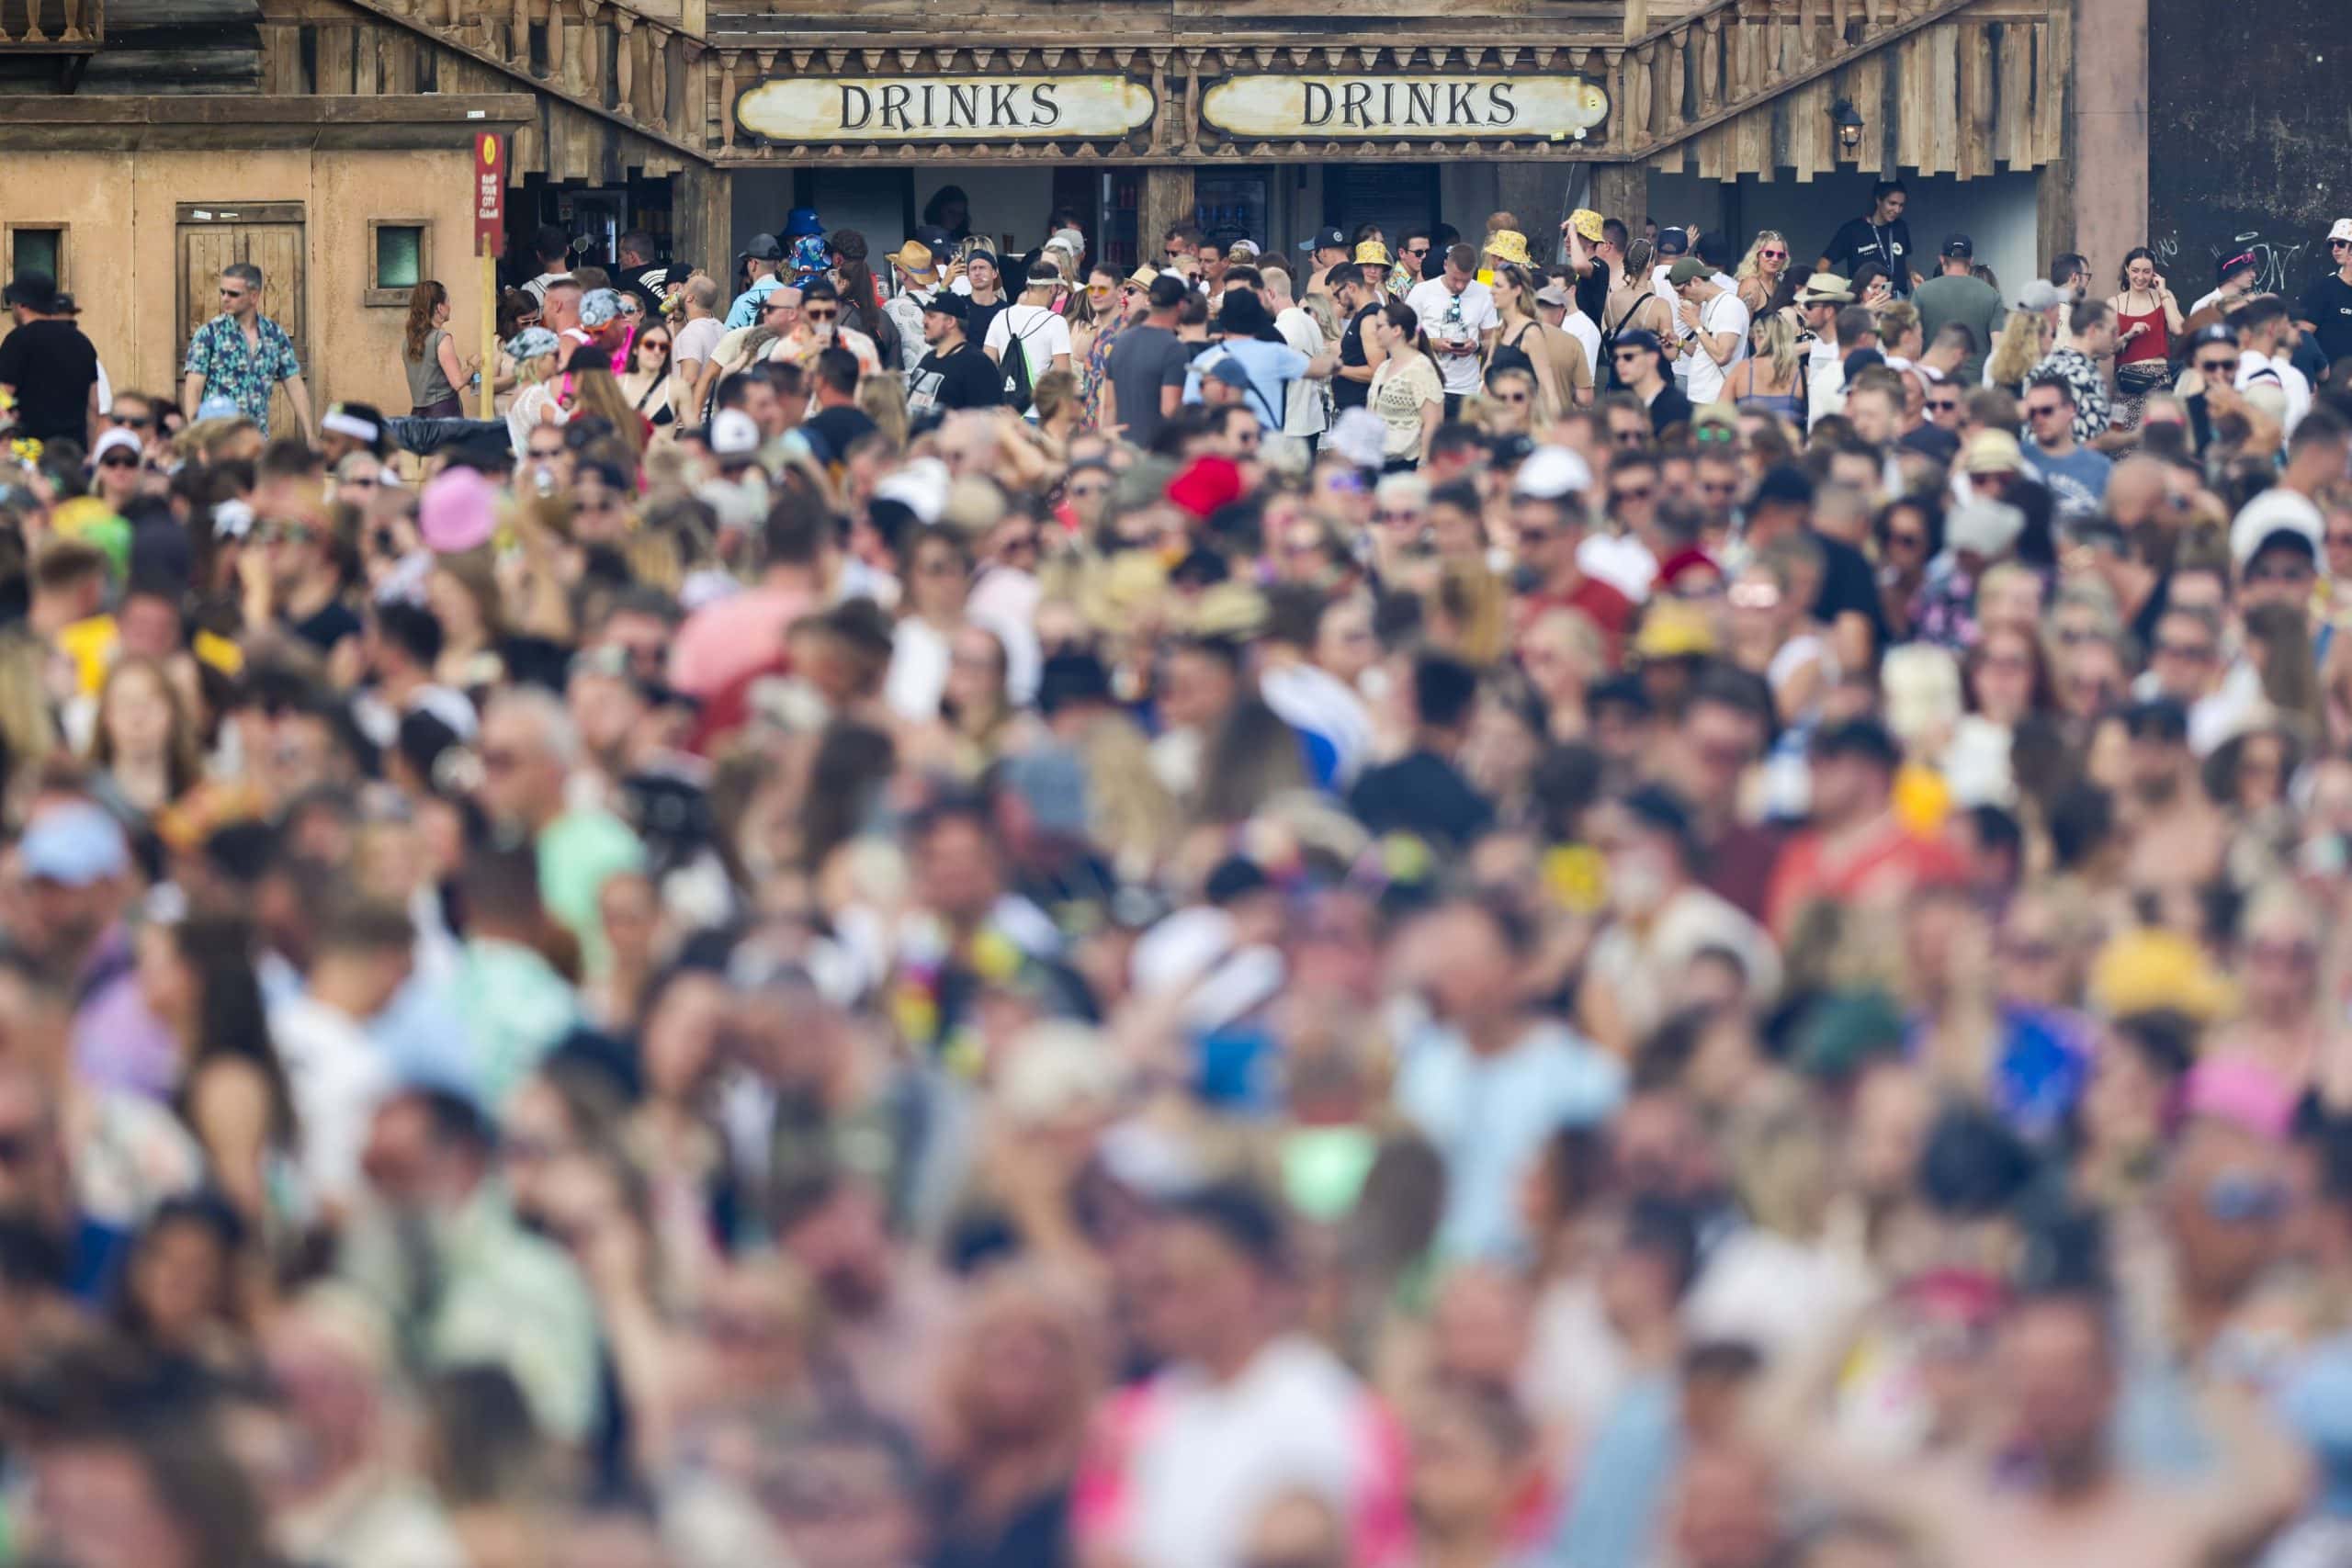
(2042, 410)
(1098, 288)
(2209, 368)
(1417, 251)
(1943, 405)
(233, 293)
(1512, 397)
(118, 460)
(1772, 256)
(122, 424)
(1633, 493)
(818, 315)
(1632, 438)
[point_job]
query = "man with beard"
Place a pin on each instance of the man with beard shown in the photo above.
(1857, 851)
(888, 1315)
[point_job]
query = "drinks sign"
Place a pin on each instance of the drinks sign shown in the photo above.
(945, 108)
(1438, 106)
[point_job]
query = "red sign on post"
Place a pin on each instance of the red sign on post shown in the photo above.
(490, 195)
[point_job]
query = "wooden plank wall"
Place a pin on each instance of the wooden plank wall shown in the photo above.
(1968, 96)
(355, 51)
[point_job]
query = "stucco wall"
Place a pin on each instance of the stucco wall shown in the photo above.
(122, 249)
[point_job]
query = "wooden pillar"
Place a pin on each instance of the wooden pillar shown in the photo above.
(1622, 191)
(702, 220)
(1536, 194)
(2106, 145)
(1168, 199)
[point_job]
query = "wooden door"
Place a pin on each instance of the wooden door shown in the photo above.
(268, 235)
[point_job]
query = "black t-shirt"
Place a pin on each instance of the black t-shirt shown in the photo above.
(52, 367)
(967, 378)
(646, 283)
(1345, 393)
(1670, 407)
(1858, 240)
(982, 317)
(830, 432)
(1422, 794)
(328, 626)
(1847, 586)
(2328, 305)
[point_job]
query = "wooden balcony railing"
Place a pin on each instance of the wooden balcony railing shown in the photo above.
(621, 61)
(52, 26)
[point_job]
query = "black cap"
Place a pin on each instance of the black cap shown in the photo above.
(1326, 240)
(1862, 736)
(1619, 690)
(1959, 245)
(1242, 312)
(1861, 359)
(1234, 877)
(1076, 676)
(1672, 243)
(1787, 485)
(932, 238)
(1639, 337)
(947, 302)
(1660, 808)
(764, 247)
(2216, 332)
(33, 290)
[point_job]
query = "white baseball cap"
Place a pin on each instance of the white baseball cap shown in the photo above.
(2343, 229)
(1551, 473)
(2275, 512)
(734, 434)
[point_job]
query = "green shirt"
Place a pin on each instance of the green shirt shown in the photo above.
(579, 852)
(516, 1008)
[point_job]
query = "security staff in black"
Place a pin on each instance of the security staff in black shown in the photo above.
(1361, 297)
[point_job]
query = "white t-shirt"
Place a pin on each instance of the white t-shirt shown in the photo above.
(1724, 313)
(1306, 414)
(336, 1075)
(1043, 335)
(1578, 325)
(1447, 317)
(2253, 369)
(532, 406)
(696, 339)
(1825, 381)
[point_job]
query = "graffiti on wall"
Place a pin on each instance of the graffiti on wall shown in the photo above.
(2276, 261)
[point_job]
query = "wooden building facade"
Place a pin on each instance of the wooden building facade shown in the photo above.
(705, 122)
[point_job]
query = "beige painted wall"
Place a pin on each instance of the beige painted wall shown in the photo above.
(122, 250)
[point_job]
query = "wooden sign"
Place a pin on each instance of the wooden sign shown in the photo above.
(490, 195)
(945, 108)
(1437, 106)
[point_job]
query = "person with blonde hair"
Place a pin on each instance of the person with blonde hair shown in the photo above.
(1763, 280)
(536, 352)
(1771, 378)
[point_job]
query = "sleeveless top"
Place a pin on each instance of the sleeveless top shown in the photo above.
(2152, 344)
(658, 395)
(1609, 341)
(1509, 356)
(427, 384)
(1345, 393)
(1097, 371)
(1782, 404)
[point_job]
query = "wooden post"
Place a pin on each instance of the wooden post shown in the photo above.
(1622, 191)
(1167, 200)
(489, 331)
(701, 218)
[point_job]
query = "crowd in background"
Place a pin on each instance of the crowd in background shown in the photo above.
(1382, 905)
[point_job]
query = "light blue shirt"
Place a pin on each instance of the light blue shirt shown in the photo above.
(746, 309)
(1490, 1117)
(1272, 366)
(1627, 1470)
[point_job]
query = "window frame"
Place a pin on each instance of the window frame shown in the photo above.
(376, 296)
(64, 232)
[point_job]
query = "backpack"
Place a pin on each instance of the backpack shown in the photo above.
(1019, 391)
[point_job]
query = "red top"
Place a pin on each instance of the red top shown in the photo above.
(2154, 344)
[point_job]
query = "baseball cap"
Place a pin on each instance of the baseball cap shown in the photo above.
(1229, 370)
(1639, 337)
(2040, 295)
(2215, 333)
(1859, 737)
(1324, 240)
(2277, 515)
(1689, 269)
(1959, 245)
(2343, 231)
(1553, 295)
(733, 434)
(1672, 241)
(73, 844)
(532, 342)
(947, 302)
(1551, 473)
(764, 247)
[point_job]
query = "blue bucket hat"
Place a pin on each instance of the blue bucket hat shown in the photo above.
(801, 221)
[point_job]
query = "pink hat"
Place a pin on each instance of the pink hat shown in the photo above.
(457, 511)
(2243, 1092)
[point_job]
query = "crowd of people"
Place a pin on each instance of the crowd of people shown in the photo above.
(1382, 907)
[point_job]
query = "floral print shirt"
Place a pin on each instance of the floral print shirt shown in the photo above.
(244, 373)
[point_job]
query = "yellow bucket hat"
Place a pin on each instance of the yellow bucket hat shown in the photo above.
(1509, 245)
